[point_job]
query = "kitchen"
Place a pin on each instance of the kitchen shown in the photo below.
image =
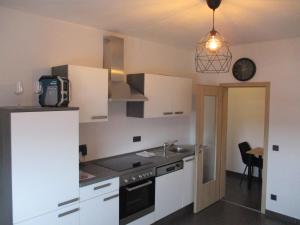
(133, 188)
(131, 141)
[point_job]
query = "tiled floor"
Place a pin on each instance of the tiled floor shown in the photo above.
(221, 213)
(240, 194)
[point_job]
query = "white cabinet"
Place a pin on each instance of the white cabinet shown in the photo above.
(44, 162)
(89, 91)
(188, 180)
(158, 90)
(181, 96)
(167, 96)
(168, 194)
(100, 203)
(103, 209)
(67, 216)
(145, 220)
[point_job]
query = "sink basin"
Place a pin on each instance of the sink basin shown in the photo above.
(178, 149)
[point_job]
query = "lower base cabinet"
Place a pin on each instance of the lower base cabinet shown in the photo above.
(145, 220)
(66, 216)
(100, 210)
(168, 194)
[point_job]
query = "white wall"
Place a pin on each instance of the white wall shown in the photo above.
(278, 63)
(246, 117)
(31, 44)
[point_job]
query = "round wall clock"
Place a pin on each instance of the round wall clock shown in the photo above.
(244, 69)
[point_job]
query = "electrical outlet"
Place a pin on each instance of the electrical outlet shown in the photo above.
(273, 197)
(275, 148)
(136, 139)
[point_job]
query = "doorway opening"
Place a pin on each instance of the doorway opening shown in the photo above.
(244, 144)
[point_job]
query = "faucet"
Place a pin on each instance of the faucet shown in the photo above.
(167, 145)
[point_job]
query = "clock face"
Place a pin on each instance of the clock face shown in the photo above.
(244, 69)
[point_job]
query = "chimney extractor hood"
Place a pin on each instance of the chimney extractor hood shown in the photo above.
(113, 60)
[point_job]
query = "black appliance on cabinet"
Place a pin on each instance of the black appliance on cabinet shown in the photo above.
(55, 91)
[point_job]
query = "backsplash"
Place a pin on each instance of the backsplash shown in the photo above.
(114, 137)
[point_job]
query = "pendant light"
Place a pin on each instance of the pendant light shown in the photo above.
(212, 53)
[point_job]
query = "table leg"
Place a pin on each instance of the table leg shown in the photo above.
(249, 172)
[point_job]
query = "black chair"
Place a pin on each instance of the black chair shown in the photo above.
(249, 160)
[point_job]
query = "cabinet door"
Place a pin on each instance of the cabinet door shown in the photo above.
(182, 97)
(168, 194)
(100, 210)
(188, 187)
(159, 91)
(145, 220)
(44, 154)
(89, 91)
(67, 216)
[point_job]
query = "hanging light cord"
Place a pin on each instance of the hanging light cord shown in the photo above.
(213, 20)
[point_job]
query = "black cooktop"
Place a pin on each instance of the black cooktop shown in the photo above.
(123, 163)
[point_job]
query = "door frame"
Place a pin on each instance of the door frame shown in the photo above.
(224, 95)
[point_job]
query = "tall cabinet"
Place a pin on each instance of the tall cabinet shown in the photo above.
(39, 166)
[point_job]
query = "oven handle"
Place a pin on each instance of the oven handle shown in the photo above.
(139, 186)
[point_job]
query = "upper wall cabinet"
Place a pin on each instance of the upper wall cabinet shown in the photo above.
(89, 91)
(167, 96)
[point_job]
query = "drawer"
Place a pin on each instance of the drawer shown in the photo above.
(99, 188)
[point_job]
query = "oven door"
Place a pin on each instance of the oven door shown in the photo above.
(137, 200)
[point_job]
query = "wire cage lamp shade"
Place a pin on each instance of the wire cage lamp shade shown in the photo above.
(213, 54)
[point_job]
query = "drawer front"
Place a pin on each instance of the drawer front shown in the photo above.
(99, 188)
(66, 216)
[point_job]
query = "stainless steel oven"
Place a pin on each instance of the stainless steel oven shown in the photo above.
(137, 195)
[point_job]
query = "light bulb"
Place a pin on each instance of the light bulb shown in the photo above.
(213, 44)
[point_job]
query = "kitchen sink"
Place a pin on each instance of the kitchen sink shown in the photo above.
(178, 149)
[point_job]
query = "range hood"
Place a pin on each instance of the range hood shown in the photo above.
(113, 60)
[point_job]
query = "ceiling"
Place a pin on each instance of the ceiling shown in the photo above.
(177, 22)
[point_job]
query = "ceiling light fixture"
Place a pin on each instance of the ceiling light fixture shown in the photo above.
(212, 53)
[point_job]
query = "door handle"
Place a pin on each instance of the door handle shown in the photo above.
(102, 186)
(139, 186)
(68, 202)
(68, 213)
(98, 117)
(178, 113)
(168, 113)
(111, 197)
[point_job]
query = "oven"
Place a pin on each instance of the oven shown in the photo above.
(137, 196)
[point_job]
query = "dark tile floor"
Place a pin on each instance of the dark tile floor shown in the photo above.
(221, 213)
(240, 194)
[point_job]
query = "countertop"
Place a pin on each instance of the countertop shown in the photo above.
(102, 173)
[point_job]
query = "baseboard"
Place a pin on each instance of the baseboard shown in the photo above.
(282, 217)
(236, 174)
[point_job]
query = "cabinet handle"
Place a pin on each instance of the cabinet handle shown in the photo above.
(189, 160)
(111, 197)
(178, 113)
(168, 113)
(68, 202)
(68, 213)
(102, 186)
(98, 117)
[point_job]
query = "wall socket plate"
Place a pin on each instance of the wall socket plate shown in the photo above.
(136, 139)
(275, 148)
(273, 197)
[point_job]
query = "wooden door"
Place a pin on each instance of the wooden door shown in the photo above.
(208, 151)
